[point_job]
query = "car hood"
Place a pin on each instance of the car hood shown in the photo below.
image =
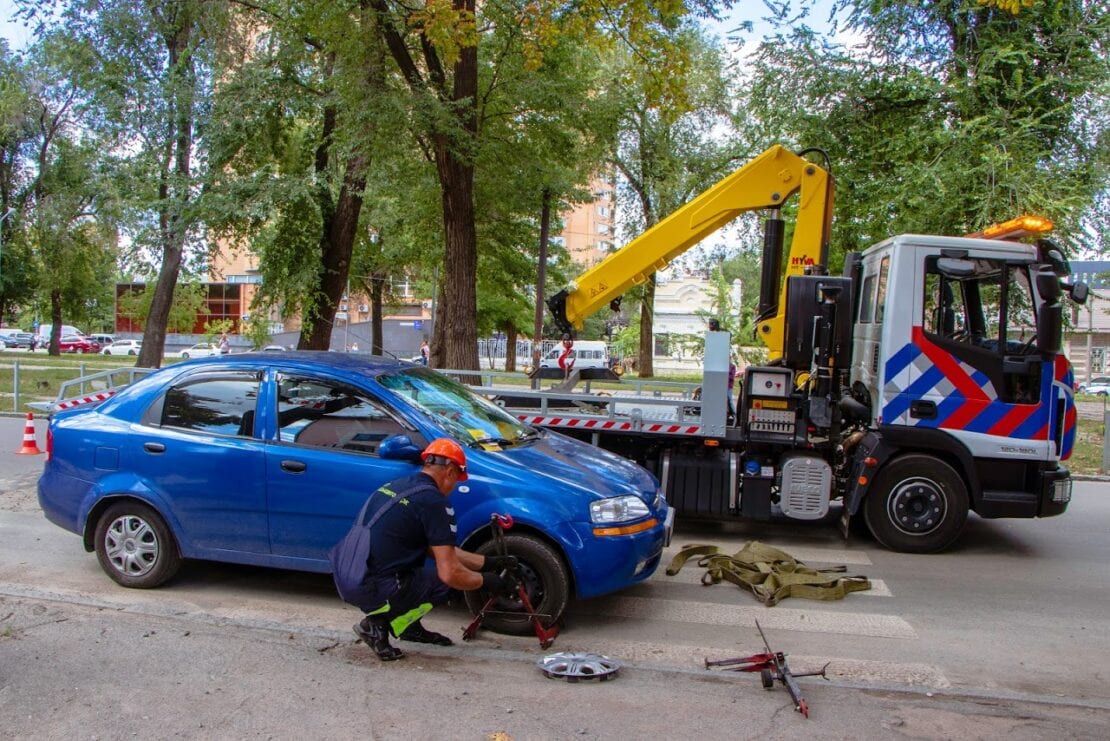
(565, 462)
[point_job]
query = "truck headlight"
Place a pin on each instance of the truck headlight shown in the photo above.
(618, 509)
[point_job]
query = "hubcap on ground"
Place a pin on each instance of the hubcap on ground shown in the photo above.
(577, 666)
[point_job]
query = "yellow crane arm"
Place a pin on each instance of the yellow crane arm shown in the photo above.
(765, 182)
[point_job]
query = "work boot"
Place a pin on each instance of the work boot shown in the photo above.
(417, 633)
(376, 636)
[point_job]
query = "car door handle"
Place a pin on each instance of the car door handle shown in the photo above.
(154, 447)
(293, 466)
(923, 409)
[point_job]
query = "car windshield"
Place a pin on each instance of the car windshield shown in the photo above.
(467, 416)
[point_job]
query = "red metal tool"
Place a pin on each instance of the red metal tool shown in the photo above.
(771, 666)
(546, 636)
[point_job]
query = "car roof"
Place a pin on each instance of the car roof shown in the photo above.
(318, 359)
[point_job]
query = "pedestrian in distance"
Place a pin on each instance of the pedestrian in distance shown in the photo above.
(225, 345)
(421, 525)
(425, 353)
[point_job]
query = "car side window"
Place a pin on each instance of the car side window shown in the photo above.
(323, 414)
(219, 403)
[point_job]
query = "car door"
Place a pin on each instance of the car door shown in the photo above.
(322, 463)
(195, 450)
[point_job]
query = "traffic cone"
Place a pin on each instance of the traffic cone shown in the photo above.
(29, 446)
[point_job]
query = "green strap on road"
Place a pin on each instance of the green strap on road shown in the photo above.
(770, 574)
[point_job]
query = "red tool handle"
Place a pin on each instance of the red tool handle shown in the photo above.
(504, 522)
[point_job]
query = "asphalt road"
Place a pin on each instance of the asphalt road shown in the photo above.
(1006, 634)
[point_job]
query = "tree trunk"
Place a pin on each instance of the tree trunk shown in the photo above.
(510, 349)
(377, 288)
(336, 246)
(647, 340)
(55, 320)
(154, 333)
(172, 199)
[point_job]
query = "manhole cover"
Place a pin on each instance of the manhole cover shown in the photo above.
(578, 666)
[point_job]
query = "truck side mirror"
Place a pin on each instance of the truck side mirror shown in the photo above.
(1079, 292)
(1050, 328)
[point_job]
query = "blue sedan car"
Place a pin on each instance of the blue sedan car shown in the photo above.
(265, 458)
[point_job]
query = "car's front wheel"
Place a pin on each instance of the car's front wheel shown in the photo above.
(545, 580)
(135, 547)
(184, 356)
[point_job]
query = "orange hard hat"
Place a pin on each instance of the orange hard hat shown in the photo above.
(447, 449)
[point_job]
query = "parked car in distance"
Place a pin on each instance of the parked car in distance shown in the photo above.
(266, 458)
(273, 348)
(77, 344)
(1099, 386)
(42, 339)
(15, 339)
(199, 350)
(123, 347)
(586, 354)
(103, 339)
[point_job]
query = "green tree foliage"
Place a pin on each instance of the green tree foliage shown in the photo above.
(80, 253)
(144, 73)
(188, 304)
(949, 115)
(666, 155)
(18, 276)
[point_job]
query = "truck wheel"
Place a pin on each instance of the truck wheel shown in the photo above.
(545, 580)
(135, 547)
(917, 504)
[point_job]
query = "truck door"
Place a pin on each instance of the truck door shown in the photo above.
(979, 375)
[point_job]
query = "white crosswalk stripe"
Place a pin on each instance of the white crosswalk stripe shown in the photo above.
(779, 617)
(673, 600)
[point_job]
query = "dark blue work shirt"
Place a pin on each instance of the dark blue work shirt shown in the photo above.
(400, 540)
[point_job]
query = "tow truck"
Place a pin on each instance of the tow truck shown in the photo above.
(924, 382)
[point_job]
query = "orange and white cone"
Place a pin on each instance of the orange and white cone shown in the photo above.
(29, 445)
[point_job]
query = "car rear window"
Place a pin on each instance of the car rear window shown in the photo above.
(220, 404)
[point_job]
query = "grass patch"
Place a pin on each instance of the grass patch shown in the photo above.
(1086, 457)
(41, 375)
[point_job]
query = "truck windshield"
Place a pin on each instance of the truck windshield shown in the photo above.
(467, 416)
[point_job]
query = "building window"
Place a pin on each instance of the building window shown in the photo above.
(603, 211)
(1098, 360)
(602, 228)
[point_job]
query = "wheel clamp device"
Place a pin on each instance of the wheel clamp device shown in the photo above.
(499, 524)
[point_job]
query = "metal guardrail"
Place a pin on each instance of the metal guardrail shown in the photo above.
(92, 388)
(676, 398)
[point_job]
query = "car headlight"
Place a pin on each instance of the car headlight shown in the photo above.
(618, 509)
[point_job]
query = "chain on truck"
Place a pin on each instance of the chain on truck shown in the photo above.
(924, 382)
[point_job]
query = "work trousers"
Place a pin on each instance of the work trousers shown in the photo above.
(402, 599)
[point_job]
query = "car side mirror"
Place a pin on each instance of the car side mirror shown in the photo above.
(399, 448)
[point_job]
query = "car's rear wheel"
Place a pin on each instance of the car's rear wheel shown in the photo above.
(184, 356)
(131, 352)
(545, 580)
(135, 547)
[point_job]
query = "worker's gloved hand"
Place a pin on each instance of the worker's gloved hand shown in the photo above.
(502, 586)
(497, 564)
